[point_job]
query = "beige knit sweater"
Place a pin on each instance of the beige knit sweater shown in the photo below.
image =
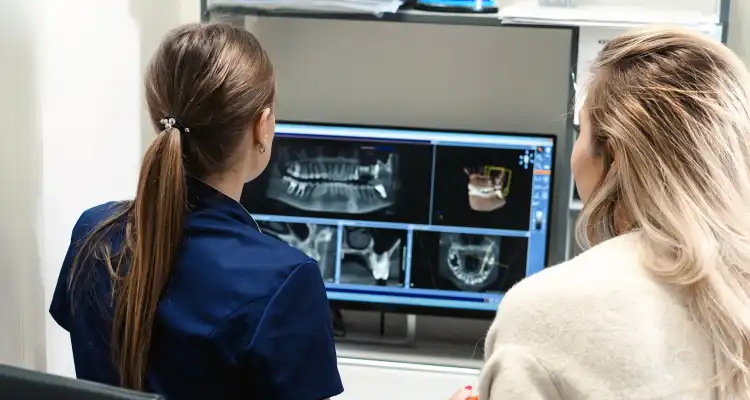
(596, 327)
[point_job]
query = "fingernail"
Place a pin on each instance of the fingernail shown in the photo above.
(468, 387)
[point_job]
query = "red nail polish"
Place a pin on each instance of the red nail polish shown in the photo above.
(468, 387)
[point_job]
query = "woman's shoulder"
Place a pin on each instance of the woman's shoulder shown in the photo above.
(228, 247)
(605, 289)
(607, 278)
(236, 268)
(96, 215)
(598, 310)
(610, 262)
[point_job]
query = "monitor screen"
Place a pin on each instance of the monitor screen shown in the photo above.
(409, 218)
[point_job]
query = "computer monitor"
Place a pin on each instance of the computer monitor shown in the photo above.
(409, 220)
(17, 383)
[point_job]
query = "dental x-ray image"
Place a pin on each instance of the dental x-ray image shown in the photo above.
(317, 241)
(352, 181)
(466, 262)
(482, 187)
(470, 262)
(371, 256)
(344, 179)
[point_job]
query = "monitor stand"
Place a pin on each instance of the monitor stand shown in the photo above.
(407, 339)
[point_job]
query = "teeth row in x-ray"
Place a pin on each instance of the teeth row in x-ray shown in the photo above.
(336, 169)
(332, 189)
(340, 184)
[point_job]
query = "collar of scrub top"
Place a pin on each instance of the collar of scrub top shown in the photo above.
(202, 194)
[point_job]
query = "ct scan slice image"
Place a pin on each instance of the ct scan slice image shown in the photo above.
(316, 241)
(471, 262)
(372, 256)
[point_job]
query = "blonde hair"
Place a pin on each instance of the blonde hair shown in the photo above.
(670, 114)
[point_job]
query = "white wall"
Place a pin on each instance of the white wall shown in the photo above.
(88, 106)
(70, 124)
(155, 18)
(21, 296)
(739, 28)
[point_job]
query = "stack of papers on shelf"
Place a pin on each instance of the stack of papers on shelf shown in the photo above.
(349, 6)
(530, 12)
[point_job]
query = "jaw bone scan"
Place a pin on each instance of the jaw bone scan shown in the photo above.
(471, 262)
(489, 186)
(366, 258)
(357, 181)
(316, 241)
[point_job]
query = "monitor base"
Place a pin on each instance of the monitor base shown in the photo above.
(407, 339)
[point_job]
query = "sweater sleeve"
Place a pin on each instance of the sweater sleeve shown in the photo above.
(512, 373)
(513, 370)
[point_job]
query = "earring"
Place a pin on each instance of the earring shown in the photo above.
(262, 149)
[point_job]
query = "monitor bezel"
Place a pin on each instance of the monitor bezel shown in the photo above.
(431, 310)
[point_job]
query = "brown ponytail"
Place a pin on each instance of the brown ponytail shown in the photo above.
(158, 214)
(217, 80)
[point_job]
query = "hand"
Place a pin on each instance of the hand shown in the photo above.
(462, 394)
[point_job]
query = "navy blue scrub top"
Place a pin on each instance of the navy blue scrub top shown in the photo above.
(244, 316)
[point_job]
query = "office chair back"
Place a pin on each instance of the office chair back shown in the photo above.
(17, 383)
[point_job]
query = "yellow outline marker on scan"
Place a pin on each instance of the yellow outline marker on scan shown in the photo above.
(489, 169)
(487, 192)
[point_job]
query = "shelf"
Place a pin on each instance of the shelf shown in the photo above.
(530, 12)
(404, 15)
(524, 13)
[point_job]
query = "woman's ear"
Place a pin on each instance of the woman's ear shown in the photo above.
(265, 127)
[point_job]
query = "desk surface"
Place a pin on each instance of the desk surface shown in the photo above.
(427, 353)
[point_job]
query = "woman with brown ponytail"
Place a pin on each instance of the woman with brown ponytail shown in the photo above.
(177, 291)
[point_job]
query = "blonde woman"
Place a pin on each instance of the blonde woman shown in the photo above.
(658, 307)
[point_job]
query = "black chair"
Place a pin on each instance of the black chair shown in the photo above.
(17, 383)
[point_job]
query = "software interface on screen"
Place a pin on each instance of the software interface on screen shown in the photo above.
(409, 217)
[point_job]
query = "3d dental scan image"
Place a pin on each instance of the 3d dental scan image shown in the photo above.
(467, 262)
(345, 179)
(317, 241)
(482, 188)
(488, 186)
(371, 256)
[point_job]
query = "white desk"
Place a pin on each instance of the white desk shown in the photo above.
(426, 371)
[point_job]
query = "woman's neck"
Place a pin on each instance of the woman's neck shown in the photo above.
(229, 183)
